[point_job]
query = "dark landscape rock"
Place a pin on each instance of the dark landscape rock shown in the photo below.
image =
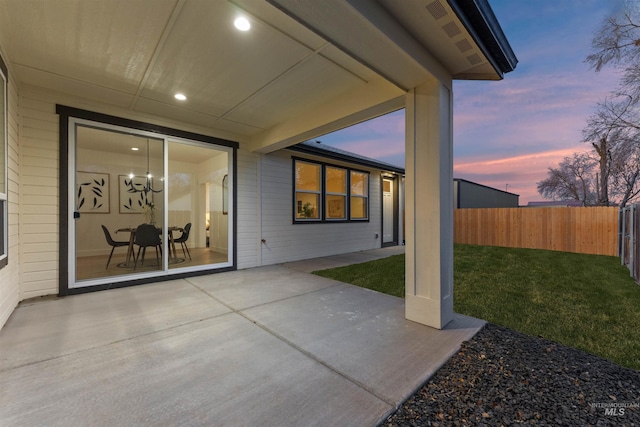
(503, 377)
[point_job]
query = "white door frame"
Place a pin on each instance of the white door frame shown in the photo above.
(394, 209)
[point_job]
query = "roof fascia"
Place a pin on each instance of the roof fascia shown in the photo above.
(345, 158)
(480, 21)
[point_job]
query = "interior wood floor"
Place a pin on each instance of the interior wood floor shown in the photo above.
(91, 267)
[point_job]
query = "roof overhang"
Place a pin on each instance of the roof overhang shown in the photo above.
(481, 23)
(305, 68)
(410, 41)
(328, 152)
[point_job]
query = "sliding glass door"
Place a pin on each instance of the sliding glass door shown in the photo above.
(145, 205)
(198, 222)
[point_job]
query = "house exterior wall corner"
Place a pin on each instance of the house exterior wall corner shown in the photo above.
(10, 294)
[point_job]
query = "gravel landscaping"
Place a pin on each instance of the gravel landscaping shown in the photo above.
(503, 377)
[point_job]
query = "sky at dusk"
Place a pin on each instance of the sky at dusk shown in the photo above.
(511, 131)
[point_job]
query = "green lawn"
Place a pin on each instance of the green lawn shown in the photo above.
(583, 301)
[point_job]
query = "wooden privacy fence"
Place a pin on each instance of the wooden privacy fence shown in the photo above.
(588, 230)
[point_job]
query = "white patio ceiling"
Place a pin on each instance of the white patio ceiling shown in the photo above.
(247, 85)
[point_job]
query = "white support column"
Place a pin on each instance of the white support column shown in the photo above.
(429, 205)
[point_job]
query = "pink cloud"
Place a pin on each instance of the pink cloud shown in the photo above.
(521, 173)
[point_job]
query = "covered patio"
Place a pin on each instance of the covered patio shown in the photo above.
(263, 346)
(165, 77)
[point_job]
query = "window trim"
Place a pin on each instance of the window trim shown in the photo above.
(323, 193)
(4, 192)
(368, 177)
(319, 193)
(344, 195)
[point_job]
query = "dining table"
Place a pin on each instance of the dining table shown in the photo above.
(132, 239)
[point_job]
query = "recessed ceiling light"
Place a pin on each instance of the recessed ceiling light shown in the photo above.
(180, 97)
(134, 148)
(242, 23)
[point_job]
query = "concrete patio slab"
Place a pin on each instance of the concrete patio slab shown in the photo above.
(259, 347)
(47, 329)
(363, 335)
(218, 372)
(256, 286)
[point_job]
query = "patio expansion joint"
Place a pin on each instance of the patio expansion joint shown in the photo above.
(308, 354)
(264, 303)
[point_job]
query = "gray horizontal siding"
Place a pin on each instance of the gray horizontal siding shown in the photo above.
(286, 241)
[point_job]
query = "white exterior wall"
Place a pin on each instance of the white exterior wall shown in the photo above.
(39, 196)
(285, 241)
(9, 275)
(248, 209)
(35, 259)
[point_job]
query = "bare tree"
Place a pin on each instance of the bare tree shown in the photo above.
(605, 132)
(604, 166)
(573, 179)
(614, 130)
(625, 171)
(609, 173)
(617, 41)
(617, 113)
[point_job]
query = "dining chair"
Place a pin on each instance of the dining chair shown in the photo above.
(147, 235)
(114, 243)
(183, 240)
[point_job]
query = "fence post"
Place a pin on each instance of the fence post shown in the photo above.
(620, 236)
(635, 242)
(632, 243)
(623, 228)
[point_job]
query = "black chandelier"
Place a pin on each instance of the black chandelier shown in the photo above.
(133, 187)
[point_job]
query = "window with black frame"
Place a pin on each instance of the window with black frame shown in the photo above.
(335, 193)
(308, 190)
(359, 202)
(328, 193)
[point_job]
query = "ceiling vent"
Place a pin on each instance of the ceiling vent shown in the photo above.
(474, 59)
(464, 45)
(451, 29)
(437, 10)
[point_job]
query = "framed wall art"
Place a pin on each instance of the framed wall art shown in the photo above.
(93, 192)
(132, 198)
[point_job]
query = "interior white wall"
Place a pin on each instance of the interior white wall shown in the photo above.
(211, 174)
(91, 240)
(184, 205)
